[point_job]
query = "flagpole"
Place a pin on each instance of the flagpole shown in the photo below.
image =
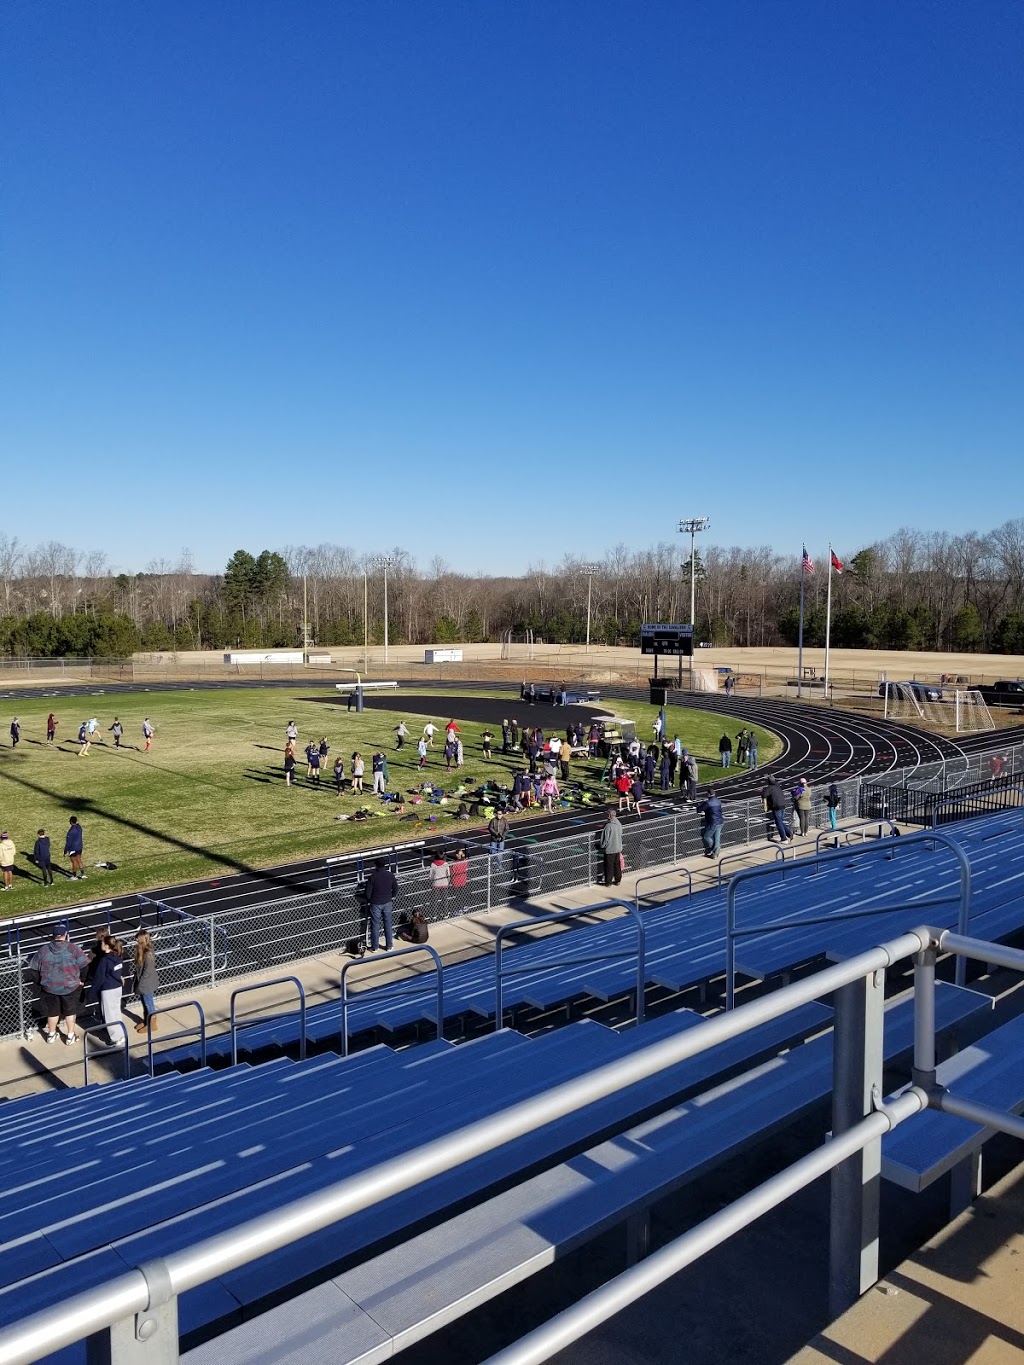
(828, 616)
(800, 642)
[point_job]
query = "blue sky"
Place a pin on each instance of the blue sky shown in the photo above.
(502, 280)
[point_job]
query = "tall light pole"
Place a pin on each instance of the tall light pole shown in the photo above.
(385, 562)
(690, 526)
(589, 570)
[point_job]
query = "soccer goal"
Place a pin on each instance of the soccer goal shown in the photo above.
(972, 713)
(901, 702)
(517, 645)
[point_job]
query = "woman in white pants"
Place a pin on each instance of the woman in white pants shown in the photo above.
(106, 982)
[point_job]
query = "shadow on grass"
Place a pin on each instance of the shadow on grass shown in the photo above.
(86, 805)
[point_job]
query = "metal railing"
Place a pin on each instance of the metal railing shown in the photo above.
(662, 876)
(983, 801)
(851, 1154)
(133, 1317)
(181, 1033)
(121, 1048)
(963, 898)
(845, 832)
(403, 987)
(539, 921)
(779, 856)
(250, 1023)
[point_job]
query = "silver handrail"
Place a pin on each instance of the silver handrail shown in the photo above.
(974, 796)
(104, 1051)
(847, 830)
(641, 952)
(251, 1023)
(182, 1033)
(838, 855)
(660, 876)
(384, 957)
(155, 1285)
(779, 853)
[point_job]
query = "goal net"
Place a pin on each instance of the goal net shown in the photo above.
(901, 702)
(972, 714)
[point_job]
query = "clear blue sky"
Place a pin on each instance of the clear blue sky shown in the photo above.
(505, 279)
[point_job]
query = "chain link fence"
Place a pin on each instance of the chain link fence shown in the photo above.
(198, 951)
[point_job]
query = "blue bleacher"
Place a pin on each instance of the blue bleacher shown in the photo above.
(195, 1152)
(686, 939)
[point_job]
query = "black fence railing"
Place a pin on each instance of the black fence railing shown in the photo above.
(924, 806)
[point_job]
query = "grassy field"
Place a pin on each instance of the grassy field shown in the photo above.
(209, 798)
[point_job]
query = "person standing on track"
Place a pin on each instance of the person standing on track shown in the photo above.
(688, 775)
(41, 857)
(752, 750)
(609, 841)
(8, 853)
(73, 846)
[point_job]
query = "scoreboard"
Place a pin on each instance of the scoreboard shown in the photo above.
(666, 639)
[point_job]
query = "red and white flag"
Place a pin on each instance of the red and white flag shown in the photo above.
(805, 563)
(837, 563)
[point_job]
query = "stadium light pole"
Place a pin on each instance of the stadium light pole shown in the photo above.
(589, 570)
(385, 562)
(690, 526)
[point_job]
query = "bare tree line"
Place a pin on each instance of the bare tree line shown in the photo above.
(920, 590)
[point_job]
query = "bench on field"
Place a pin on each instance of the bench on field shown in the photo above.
(931, 1144)
(387, 1303)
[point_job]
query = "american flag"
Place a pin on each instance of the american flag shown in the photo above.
(805, 563)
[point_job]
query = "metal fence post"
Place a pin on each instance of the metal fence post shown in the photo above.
(856, 1093)
(213, 952)
(21, 997)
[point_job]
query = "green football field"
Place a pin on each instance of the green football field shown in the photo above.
(209, 798)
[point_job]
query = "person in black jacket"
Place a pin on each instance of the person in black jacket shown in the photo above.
(775, 807)
(41, 857)
(381, 889)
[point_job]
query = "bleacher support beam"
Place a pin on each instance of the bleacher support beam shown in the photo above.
(857, 1092)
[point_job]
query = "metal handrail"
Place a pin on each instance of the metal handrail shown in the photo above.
(111, 1047)
(641, 952)
(182, 1033)
(974, 796)
(156, 1283)
(838, 855)
(384, 957)
(847, 830)
(745, 852)
(604, 1303)
(660, 876)
(263, 986)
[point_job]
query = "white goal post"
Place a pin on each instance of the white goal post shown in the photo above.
(972, 713)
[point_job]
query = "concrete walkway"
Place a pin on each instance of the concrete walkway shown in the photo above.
(960, 1298)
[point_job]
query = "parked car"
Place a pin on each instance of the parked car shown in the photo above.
(1007, 693)
(921, 691)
